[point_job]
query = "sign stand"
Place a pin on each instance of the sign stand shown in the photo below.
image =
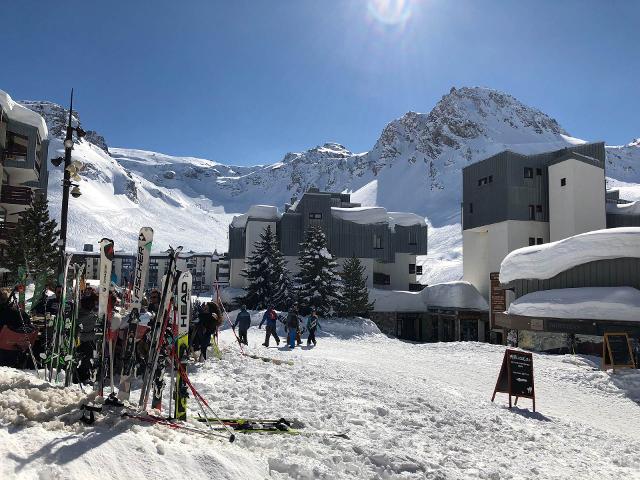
(616, 351)
(516, 377)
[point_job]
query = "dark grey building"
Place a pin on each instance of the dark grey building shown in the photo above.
(388, 243)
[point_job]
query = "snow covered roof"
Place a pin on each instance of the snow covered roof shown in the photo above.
(372, 215)
(596, 303)
(17, 112)
(547, 260)
(632, 208)
(457, 294)
(262, 212)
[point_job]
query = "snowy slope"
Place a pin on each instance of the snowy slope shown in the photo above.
(412, 411)
(414, 166)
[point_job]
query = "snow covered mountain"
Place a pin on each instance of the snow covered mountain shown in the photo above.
(414, 166)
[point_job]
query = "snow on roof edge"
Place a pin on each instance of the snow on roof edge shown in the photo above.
(20, 113)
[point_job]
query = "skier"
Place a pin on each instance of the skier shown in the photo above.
(270, 317)
(312, 324)
(87, 318)
(293, 323)
(207, 325)
(243, 321)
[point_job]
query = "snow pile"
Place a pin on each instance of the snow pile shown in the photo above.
(17, 112)
(374, 215)
(258, 212)
(597, 303)
(454, 295)
(346, 328)
(547, 260)
(632, 208)
(405, 219)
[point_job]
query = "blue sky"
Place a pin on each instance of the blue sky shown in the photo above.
(245, 82)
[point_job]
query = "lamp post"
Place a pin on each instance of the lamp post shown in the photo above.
(69, 169)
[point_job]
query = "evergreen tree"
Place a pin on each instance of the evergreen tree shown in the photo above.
(317, 283)
(34, 243)
(354, 301)
(267, 275)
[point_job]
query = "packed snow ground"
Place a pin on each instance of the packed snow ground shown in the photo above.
(411, 411)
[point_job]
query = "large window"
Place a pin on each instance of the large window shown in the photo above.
(377, 241)
(17, 147)
(381, 279)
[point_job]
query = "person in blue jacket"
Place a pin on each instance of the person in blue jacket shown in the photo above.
(312, 324)
(270, 317)
(243, 322)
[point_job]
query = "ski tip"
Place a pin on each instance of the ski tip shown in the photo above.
(232, 438)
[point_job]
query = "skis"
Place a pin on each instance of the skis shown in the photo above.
(182, 343)
(145, 240)
(159, 330)
(106, 263)
(73, 337)
(53, 359)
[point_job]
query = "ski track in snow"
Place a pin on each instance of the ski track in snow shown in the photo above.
(411, 411)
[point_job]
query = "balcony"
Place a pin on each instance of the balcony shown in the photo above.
(7, 229)
(16, 195)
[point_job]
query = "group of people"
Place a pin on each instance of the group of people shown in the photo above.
(293, 324)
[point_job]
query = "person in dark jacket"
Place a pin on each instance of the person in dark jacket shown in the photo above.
(270, 317)
(312, 325)
(243, 322)
(87, 318)
(205, 329)
(293, 324)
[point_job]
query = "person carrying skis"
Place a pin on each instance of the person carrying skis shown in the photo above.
(243, 321)
(293, 323)
(312, 324)
(270, 317)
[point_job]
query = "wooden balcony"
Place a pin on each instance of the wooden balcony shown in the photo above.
(7, 229)
(16, 195)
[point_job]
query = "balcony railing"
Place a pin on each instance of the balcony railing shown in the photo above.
(16, 195)
(7, 229)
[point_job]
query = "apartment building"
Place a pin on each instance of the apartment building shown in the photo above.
(207, 268)
(390, 245)
(23, 161)
(512, 200)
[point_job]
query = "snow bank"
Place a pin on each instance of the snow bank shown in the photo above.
(547, 260)
(597, 303)
(632, 208)
(456, 294)
(17, 112)
(261, 212)
(345, 328)
(373, 215)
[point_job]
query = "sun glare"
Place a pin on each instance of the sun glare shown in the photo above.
(390, 12)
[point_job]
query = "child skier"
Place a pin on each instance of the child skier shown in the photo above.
(312, 324)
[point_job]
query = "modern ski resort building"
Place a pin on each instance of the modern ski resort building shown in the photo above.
(207, 268)
(23, 161)
(390, 245)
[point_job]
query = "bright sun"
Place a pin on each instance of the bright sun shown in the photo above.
(390, 12)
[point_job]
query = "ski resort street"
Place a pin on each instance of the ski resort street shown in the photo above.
(410, 410)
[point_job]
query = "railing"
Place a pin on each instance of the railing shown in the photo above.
(7, 229)
(16, 195)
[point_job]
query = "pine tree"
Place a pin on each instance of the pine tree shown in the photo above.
(34, 243)
(354, 301)
(267, 275)
(317, 283)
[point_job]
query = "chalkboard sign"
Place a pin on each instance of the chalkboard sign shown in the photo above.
(616, 351)
(516, 376)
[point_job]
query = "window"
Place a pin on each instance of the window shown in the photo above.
(412, 269)
(563, 182)
(377, 241)
(539, 241)
(471, 208)
(528, 172)
(315, 216)
(413, 237)
(381, 279)
(532, 212)
(418, 269)
(490, 178)
(416, 287)
(485, 180)
(538, 208)
(532, 241)
(539, 172)
(17, 146)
